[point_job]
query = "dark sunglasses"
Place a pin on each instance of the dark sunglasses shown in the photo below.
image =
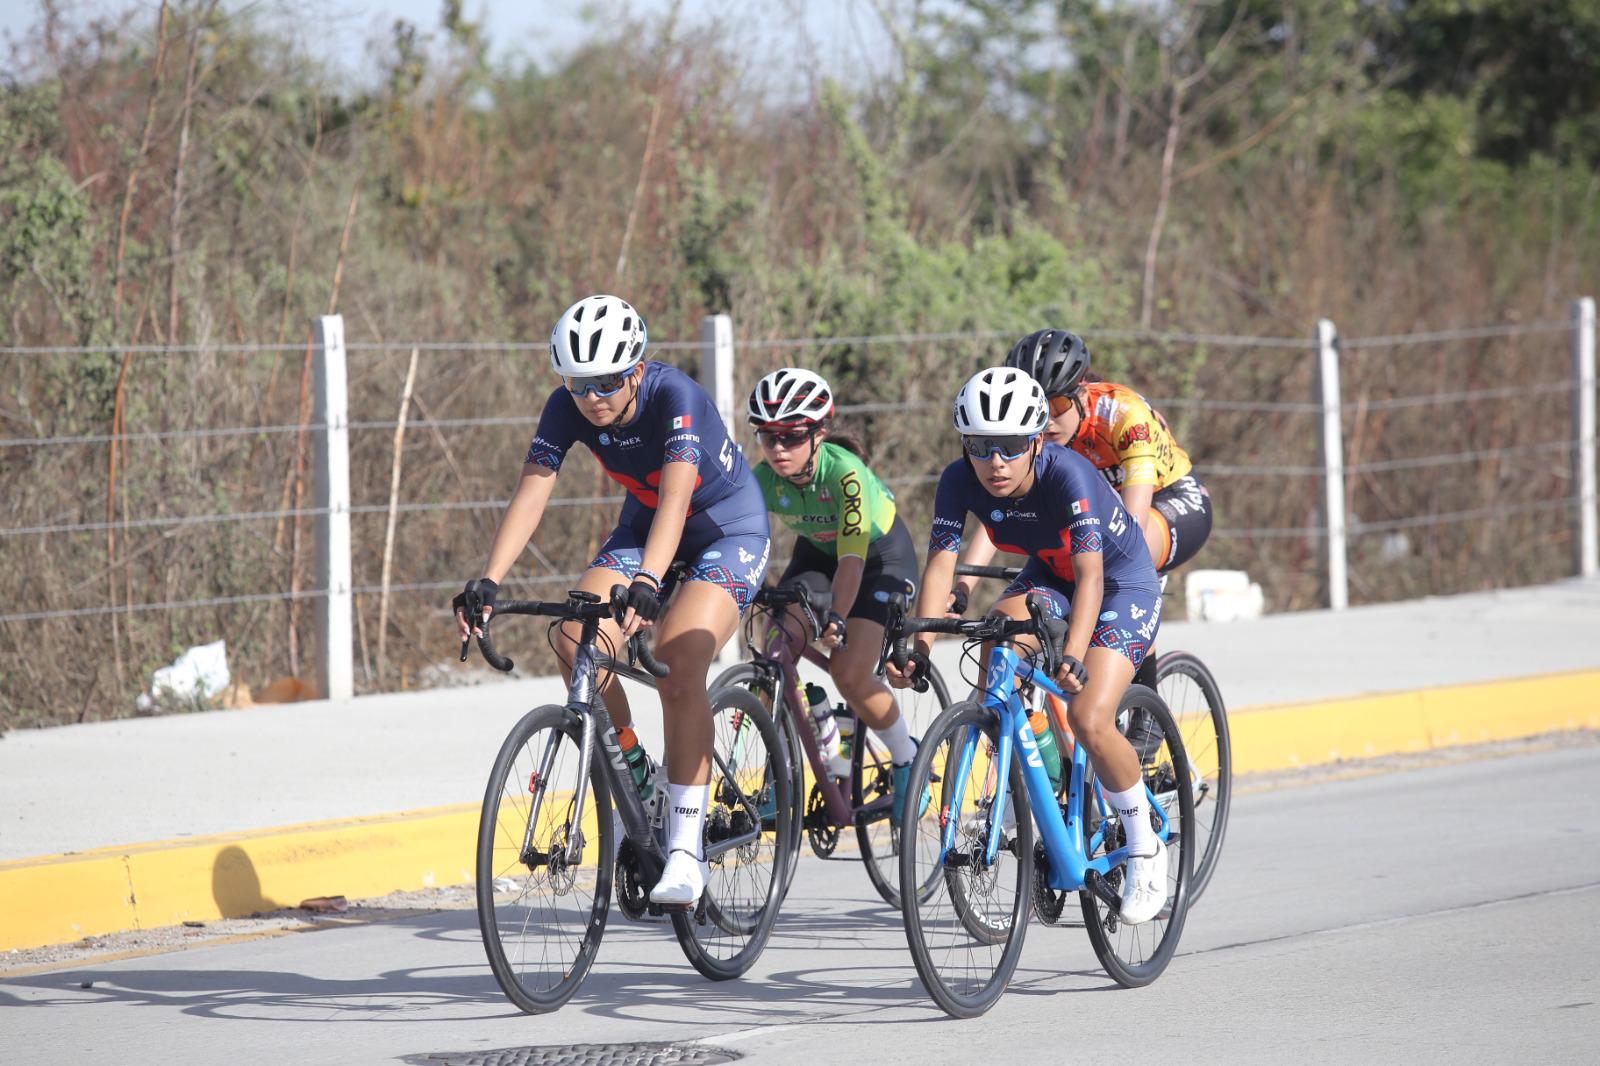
(602, 385)
(1013, 446)
(784, 438)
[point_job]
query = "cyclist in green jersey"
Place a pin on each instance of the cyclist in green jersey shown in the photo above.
(852, 551)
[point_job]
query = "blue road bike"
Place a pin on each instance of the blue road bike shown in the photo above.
(976, 841)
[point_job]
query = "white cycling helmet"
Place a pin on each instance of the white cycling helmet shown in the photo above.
(790, 395)
(1001, 401)
(597, 335)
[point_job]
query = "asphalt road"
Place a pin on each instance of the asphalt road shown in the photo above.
(1447, 914)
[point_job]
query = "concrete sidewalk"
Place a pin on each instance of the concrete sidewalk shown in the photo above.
(205, 782)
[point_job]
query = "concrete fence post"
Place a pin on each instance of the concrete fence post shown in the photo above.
(1332, 464)
(1586, 541)
(335, 635)
(716, 366)
(716, 376)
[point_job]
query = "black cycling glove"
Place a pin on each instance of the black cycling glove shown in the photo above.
(1074, 669)
(958, 600)
(644, 598)
(480, 589)
(919, 676)
(836, 619)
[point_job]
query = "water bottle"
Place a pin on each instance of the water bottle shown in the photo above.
(1044, 738)
(822, 724)
(845, 719)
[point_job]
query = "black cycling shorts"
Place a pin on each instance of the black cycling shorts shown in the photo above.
(1186, 507)
(891, 562)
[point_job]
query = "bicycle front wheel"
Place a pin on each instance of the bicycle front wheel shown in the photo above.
(966, 971)
(1135, 955)
(1192, 695)
(544, 865)
(758, 683)
(872, 779)
(745, 846)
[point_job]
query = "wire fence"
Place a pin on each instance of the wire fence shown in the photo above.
(1461, 437)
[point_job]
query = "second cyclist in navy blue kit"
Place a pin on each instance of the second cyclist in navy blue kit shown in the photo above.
(1088, 559)
(691, 498)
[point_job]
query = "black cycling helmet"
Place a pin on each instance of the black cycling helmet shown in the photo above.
(1056, 359)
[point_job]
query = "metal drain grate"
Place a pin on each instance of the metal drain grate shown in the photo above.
(641, 1054)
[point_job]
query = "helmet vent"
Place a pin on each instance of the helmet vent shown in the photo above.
(574, 345)
(594, 345)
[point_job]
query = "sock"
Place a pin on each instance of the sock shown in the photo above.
(1133, 807)
(898, 737)
(687, 806)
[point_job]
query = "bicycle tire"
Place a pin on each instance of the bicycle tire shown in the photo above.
(936, 931)
(871, 777)
(1208, 744)
(1135, 955)
(529, 979)
(726, 933)
(747, 676)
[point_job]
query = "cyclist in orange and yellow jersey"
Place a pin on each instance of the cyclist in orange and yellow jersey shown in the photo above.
(1117, 430)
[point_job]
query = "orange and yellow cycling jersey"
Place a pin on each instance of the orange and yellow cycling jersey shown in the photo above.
(1126, 439)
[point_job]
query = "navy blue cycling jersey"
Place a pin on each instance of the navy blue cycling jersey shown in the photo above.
(674, 421)
(1069, 510)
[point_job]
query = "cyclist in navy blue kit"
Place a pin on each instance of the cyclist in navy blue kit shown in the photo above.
(690, 498)
(1088, 559)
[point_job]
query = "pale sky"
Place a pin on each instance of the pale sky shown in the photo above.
(783, 38)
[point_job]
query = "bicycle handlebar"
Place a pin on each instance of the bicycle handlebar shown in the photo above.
(777, 597)
(1051, 631)
(578, 607)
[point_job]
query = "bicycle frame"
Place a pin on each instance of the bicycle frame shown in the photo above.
(600, 748)
(1063, 841)
(780, 663)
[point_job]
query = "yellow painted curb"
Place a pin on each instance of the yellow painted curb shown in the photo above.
(1363, 727)
(62, 898)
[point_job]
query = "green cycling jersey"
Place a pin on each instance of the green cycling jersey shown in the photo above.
(841, 510)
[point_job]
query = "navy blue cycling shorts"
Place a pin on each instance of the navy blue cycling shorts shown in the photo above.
(1129, 616)
(734, 562)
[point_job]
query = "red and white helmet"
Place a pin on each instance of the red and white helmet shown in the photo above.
(595, 336)
(790, 395)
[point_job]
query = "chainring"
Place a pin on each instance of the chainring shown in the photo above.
(630, 895)
(820, 830)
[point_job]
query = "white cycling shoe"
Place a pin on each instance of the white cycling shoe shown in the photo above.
(682, 881)
(1144, 887)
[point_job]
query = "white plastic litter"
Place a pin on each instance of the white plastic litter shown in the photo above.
(1222, 596)
(197, 675)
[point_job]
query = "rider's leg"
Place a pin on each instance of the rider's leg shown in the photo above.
(598, 580)
(852, 668)
(1158, 537)
(701, 617)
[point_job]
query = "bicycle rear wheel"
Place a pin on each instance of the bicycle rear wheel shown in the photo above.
(758, 683)
(965, 972)
(725, 934)
(544, 867)
(872, 779)
(1135, 955)
(1192, 695)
